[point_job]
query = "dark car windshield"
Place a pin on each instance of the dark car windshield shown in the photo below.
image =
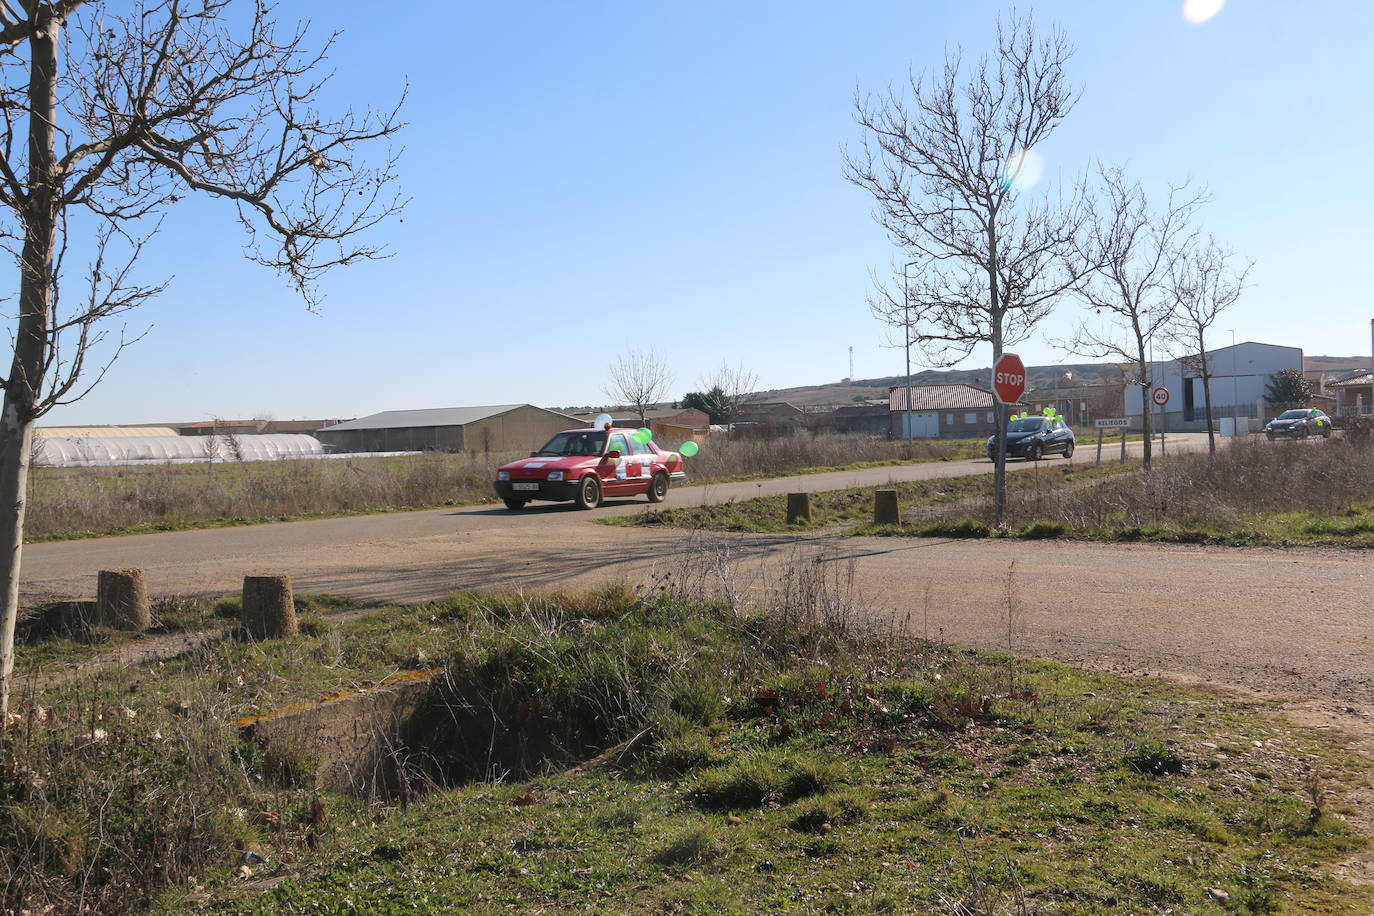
(1294, 414)
(575, 442)
(1026, 425)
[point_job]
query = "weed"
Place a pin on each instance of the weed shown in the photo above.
(761, 777)
(691, 846)
(1154, 758)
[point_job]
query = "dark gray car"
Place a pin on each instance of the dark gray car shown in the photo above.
(1033, 438)
(1299, 423)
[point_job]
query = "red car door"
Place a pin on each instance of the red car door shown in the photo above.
(615, 473)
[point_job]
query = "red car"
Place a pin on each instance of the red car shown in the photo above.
(587, 465)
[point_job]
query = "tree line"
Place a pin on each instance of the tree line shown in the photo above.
(948, 158)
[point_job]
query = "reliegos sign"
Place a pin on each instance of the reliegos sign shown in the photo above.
(1009, 379)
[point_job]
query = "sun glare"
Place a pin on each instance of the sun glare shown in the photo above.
(1023, 169)
(1199, 11)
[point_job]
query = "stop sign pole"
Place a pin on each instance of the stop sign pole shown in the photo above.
(1008, 384)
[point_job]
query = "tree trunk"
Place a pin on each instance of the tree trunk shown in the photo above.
(24, 386)
(15, 436)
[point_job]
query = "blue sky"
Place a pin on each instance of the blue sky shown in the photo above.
(594, 177)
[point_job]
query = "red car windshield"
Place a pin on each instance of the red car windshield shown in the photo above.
(578, 442)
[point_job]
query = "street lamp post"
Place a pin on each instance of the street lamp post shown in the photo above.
(906, 338)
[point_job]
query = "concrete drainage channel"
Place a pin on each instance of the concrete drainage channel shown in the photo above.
(356, 742)
(405, 737)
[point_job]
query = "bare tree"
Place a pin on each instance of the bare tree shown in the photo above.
(638, 380)
(947, 167)
(1203, 284)
(111, 114)
(728, 387)
(1125, 254)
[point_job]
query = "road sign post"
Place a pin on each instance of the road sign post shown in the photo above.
(1161, 397)
(1105, 424)
(1008, 384)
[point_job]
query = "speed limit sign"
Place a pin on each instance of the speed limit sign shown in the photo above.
(1160, 396)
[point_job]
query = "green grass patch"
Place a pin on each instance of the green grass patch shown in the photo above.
(719, 764)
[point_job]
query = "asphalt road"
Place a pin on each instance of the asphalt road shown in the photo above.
(1295, 621)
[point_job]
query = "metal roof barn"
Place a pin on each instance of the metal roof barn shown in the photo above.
(498, 428)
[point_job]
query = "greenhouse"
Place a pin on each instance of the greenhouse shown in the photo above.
(109, 450)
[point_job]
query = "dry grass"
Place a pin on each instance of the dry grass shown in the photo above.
(1250, 487)
(75, 502)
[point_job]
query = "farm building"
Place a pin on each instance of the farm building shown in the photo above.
(1353, 395)
(766, 419)
(869, 417)
(1240, 374)
(502, 428)
(941, 410)
(250, 427)
(670, 425)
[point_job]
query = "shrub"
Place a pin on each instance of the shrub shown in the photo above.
(759, 777)
(1044, 530)
(1154, 758)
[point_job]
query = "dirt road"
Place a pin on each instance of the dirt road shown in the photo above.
(1297, 621)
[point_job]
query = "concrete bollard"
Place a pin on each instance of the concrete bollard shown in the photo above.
(885, 507)
(798, 508)
(121, 599)
(269, 608)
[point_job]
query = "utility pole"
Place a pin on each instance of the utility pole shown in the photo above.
(906, 336)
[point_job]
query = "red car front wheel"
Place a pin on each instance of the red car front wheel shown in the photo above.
(588, 493)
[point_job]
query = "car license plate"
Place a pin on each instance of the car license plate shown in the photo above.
(524, 486)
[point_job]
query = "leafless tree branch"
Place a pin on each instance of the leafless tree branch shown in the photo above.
(1125, 256)
(639, 379)
(1203, 283)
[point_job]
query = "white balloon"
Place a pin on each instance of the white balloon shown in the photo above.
(602, 421)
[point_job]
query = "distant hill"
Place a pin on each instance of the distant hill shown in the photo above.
(849, 391)
(834, 394)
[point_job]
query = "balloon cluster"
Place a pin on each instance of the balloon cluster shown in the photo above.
(1050, 413)
(1318, 416)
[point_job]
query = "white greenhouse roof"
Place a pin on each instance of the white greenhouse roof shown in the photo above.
(78, 451)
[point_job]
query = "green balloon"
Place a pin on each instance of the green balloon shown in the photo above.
(688, 449)
(643, 435)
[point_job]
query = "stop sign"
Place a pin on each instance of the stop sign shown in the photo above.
(1009, 379)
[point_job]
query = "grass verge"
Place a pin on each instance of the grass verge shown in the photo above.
(939, 499)
(732, 764)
